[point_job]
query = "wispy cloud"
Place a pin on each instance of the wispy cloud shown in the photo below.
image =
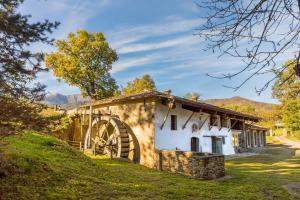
(171, 40)
(79, 15)
(156, 45)
(135, 62)
(125, 35)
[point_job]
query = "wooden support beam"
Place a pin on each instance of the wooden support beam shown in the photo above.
(183, 127)
(81, 126)
(226, 119)
(244, 135)
(232, 125)
(203, 122)
(250, 124)
(165, 119)
(211, 125)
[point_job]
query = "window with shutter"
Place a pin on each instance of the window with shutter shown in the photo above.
(195, 144)
(173, 122)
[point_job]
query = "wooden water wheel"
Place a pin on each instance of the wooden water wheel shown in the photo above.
(110, 137)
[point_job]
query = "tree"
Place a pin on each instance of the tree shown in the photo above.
(191, 95)
(138, 85)
(287, 85)
(286, 88)
(85, 60)
(18, 65)
(256, 31)
(291, 115)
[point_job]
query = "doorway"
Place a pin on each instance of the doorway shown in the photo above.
(217, 145)
(195, 144)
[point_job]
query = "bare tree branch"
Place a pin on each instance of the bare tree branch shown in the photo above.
(256, 31)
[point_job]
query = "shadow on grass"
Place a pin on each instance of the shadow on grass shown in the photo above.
(276, 162)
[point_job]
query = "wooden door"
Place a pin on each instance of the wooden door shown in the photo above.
(217, 144)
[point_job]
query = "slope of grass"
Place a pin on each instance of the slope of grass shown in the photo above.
(34, 166)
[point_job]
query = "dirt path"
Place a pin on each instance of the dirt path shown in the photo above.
(288, 142)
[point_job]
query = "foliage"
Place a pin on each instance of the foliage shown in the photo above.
(57, 123)
(189, 95)
(30, 116)
(17, 115)
(19, 66)
(39, 166)
(286, 89)
(287, 84)
(138, 85)
(291, 114)
(84, 60)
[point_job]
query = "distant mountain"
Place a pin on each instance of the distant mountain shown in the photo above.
(65, 100)
(54, 99)
(239, 101)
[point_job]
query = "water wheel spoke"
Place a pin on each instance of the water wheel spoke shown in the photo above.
(108, 138)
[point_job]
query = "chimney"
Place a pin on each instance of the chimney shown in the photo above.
(167, 92)
(195, 98)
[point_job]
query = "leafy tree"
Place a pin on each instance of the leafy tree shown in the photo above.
(85, 60)
(291, 115)
(19, 66)
(138, 85)
(256, 31)
(287, 86)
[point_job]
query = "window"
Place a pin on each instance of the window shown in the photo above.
(195, 144)
(173, 122)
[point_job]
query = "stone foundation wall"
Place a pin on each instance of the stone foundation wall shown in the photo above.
(197, 165)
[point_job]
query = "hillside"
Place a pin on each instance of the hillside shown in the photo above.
(239, 101)
(267, 111)
(34, 166)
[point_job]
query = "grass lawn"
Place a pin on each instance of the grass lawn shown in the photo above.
(294, 138)
(40, 167)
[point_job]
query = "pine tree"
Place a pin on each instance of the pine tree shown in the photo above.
(18, 65)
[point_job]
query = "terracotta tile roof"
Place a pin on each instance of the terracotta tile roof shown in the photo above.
(160, 95)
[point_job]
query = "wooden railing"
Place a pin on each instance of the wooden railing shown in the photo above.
(75, 144)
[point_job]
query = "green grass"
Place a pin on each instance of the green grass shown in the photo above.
(294, 138)
(41, 167)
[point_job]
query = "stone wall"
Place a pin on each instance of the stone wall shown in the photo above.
(197, 165)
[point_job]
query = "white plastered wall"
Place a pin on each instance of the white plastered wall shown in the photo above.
(180, 139)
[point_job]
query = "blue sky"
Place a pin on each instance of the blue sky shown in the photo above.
(154, 37)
